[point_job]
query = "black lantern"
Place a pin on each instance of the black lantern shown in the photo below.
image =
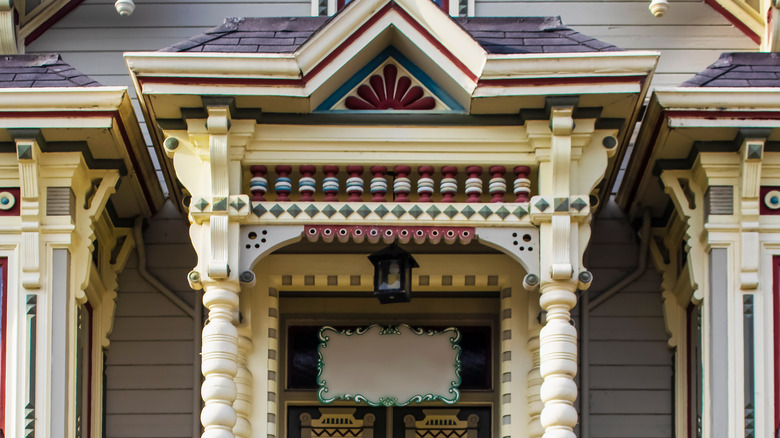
(393, 274)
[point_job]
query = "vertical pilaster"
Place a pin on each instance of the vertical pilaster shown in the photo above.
(717, 330)
(219, 360)
(506, 363)
(273, 361)
(534, 384)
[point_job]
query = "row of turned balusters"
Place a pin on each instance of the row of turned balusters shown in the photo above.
(402, 185)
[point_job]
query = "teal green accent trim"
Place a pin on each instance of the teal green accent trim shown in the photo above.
(322, 393)
(416, 72)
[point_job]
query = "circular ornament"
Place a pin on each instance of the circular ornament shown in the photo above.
(772, 199)
(7, 201)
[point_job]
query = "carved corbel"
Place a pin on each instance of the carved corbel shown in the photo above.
(28, 154)
(688, 199)
(218, 124)
(561, 127)
(752, 152)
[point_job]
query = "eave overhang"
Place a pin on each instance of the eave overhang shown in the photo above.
(612, 84)
(679, 120)
(98, 121)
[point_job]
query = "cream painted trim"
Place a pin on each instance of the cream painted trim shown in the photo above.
(569, 64)
(243, 65)
(40, 16)
(62, 99)
(487, 91)
(426, 13)
(703, 99)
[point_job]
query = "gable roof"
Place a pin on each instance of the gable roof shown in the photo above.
(499, 35)
(740, 69)
(40, 70)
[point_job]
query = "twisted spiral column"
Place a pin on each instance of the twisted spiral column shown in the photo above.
(243, 403)
(534, 384)
(558, 360)
(219, 360)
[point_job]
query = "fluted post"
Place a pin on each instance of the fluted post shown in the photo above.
(330, 184)
(449, 185)
(378, 183)
(258, 185)
(306, 184)
(401, 184)
(243, 380)
(354, 183)
(558, 360)
(219, 360)
(283, 183)
(425, 183)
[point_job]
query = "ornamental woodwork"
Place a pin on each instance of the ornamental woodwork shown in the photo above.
(389, 91)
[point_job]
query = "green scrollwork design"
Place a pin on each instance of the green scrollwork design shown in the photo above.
(322, 393)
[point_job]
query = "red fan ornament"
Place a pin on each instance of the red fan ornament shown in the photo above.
(385, 93)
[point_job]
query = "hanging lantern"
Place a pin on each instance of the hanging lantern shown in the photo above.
(393, 274)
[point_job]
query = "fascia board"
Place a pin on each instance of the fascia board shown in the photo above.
(427, 15)
(720, 99)
(518, 66)
(214, 65)
(90, 99)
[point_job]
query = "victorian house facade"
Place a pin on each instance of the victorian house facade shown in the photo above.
(570, 208)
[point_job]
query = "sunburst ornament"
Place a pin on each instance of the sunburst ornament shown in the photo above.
(389, 91)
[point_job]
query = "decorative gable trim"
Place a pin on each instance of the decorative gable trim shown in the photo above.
(351, 89)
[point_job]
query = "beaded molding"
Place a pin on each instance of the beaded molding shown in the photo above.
(389, 234)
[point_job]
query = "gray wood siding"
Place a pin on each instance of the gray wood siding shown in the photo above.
(631, 388)
(690, 36)
(149, 365)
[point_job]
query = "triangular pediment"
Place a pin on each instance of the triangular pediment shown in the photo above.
(390, 82)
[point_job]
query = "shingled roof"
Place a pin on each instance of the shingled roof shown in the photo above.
(40, 70)
(496, 35)
(740, 69)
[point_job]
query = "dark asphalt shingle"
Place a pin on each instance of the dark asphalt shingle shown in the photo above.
(40, 70)
(740, 69)
(506, 35)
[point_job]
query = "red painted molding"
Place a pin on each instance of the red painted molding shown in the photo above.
(737, 115)
(776, 330)
(3, 325)
(561, 81)
(322, 64)
(734, 20)
(252, 82)
(90, 369)
(59, 15)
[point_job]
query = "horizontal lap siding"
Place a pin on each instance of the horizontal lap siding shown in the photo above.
(631, 371)
(689, 37)
(150, 363)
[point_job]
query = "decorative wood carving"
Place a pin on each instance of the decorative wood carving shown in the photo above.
(389, 91)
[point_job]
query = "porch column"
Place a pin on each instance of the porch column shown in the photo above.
(219, 361)
(562, 212)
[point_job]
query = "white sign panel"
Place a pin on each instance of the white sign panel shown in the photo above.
(389, 366)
